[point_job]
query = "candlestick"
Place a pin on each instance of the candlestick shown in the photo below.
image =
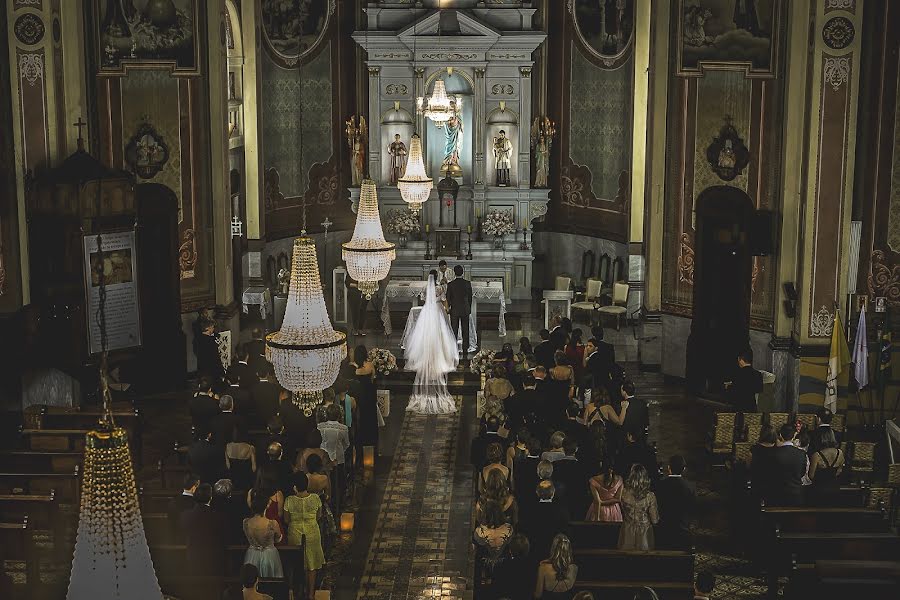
(427, 228)
(468, 229)
(469, 253)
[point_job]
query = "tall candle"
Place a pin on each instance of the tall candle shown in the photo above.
(427, 227)
(468, 229)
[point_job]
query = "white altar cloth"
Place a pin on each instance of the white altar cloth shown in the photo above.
(414, 291)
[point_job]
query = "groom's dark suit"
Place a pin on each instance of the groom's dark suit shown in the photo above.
(459, 296)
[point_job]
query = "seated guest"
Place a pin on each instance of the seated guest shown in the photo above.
(496, 490)
(525, 472)
(677, 498)
(232, 507)
(491, 538)
(787, 470)
(543, 520)
(606, 490)
(207, 457)
(266, 393)
(571, 480)
(494, 460)
(262, 534)
(204, 405)
(478, 448)
(745, 383)
(204, 534)
(556, 575)
(704, 584)
(240, 462)
(514, 577)
(825, 468)
(636, 452)
(556, 451)
(302, 511)
(225, 425)
(639, 511)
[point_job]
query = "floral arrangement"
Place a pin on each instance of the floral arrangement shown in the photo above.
(498, 222)
(384, 362)
(402, 221)
(482, 362)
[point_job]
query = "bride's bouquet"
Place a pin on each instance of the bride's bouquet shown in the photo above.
(384, 362)
(498, 222)
(483, 362)
(402, 221)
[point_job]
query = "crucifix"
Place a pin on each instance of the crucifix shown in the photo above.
(80, 124)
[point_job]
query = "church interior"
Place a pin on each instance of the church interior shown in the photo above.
(662, 238)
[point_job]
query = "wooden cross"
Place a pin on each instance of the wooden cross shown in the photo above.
(79, 125)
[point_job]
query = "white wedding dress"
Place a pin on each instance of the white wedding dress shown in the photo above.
(430, 350)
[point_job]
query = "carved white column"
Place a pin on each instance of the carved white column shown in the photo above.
(524, 147)
(375, 123)
(478, 154)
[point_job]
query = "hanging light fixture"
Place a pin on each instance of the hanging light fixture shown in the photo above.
(415, 185)
(368, 254)
(306, 352)
(439, 107)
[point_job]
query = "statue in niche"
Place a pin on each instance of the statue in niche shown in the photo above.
(397, 151)
(453, 132)
(502, 154)
(542, 162)
(356, 141)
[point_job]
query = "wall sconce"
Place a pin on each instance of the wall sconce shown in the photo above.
(368, 456)
(347, 520)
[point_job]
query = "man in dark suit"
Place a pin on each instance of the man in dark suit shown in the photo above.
(240, 373)
(206, 349)
(283, 471)
(478, 448)
(275, 433)
(824, 417)
(544, 519)
(636, 451)
(185, 501)
(459, 296)
(256, 351)
(571, 480)
(599, 359)
(520, 408)
(745, 383)
(576, 431)
(787, 470)
(265, 395)
(204, 405)
(226, 425)
(233, 507)
(676, 497)
(558, 334)
(297, 425)
(207, 457)
(205, 533)
(637, 417)
(525, 472)
(543, 352)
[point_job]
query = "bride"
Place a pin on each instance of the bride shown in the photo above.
(432, 353)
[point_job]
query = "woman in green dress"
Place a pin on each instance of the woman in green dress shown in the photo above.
(301, 514)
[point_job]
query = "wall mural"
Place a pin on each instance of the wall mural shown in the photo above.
(732, 32)
(155, 31)
(606, 27)
(294, 28)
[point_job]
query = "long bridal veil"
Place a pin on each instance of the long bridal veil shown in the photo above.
(432, 353)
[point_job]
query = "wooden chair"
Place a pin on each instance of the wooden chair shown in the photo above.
(776, 420)
(619, 301)
(591, 297)
(808, 420)
(562, 283)
(753, 431)
(838, 422)
(752, 419)
(742, 452)
(863, 458)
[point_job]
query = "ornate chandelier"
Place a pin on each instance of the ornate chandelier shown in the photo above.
(306, 352)
(368, 254)
(440, 107)
(415, 185)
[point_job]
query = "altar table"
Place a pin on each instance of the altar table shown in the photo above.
(413, 291)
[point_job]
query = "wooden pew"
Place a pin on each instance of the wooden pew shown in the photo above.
(42, 511)
(586, 535)
(66, 485)
(60, 418)
(158, 528)
(16, 545)
(632, 565)
(810, 547)
(824, 520)
(841, 579)
(53, 440)
(30, 461)
(155, 500)
(626, 590)
(213, 588)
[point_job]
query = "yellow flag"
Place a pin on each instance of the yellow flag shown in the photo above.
(837, 359)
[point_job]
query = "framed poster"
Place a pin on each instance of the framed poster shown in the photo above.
(447, 242)
(118, 265)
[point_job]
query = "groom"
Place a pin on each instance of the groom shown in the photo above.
(459, 296)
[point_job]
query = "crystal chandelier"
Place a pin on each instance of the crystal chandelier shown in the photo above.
(440, 107)
(368, 254)
(415, 185)
(306, 352)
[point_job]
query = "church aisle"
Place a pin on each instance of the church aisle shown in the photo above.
(419, 546)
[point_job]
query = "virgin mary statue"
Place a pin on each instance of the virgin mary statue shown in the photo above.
(453, 132)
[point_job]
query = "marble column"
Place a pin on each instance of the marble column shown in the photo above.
(478, 155)
(374, 149)
(524, 149)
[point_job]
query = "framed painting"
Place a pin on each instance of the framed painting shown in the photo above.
(605, 27)
(728, 34)
(147, 33)
(294, 28)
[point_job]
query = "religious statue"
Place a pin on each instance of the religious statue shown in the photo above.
(543, 130)
(356, 141)
(397, 152)
(284, 281)
(502, 152)
(453, 132)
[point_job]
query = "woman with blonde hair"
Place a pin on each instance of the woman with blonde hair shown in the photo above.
(639, 511)
(556, 575)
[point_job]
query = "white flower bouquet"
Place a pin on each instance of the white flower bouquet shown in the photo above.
(402, 221)
(482, 362)
(383, 360)
(498, 222)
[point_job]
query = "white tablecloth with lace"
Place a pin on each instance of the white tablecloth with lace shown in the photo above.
(413, 291)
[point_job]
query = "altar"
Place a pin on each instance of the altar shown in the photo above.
(481, 161)
(414, 291)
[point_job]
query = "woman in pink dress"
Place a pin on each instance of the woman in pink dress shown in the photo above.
(606, 488)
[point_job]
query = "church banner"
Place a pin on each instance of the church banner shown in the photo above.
(118, 264)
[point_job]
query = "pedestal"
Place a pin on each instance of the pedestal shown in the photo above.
(557, 302)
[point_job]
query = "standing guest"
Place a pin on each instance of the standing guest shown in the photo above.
(302, 511)
(185, 500)
(367, 401)
(240, 373)
(761, 465)
(555, 452)
(256, 350)
(606, 489)
(520, 408)
(336, 442)
(496, 490)
(638, 417)
(525, 476)
(545, 519)
(491, 538)
(279, 469)
(319, 482)
(262, 534)
(297, 424)
(496, 390)
(207, 457)
(206, 349)
(240, 462)
(543, 352)
(525, 348)
(677, 498)
(704, 585)
(233, 509)
(825, 468)
(556, 576)
(745, 383)
(480, 443)
(266, 393)
(204, 533)
(514, 577)
(787, 470)
(570, 478)
(576, 430)
(636, 452)
(564, 375)
(824, 417)
(494, 460)
(639, 512)
(225, 425)
(516, 451)
(204, 404)
(358, 306)
(558, 334)
(600, 409)
(275, 432)
(249, 584)
(575, 354)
